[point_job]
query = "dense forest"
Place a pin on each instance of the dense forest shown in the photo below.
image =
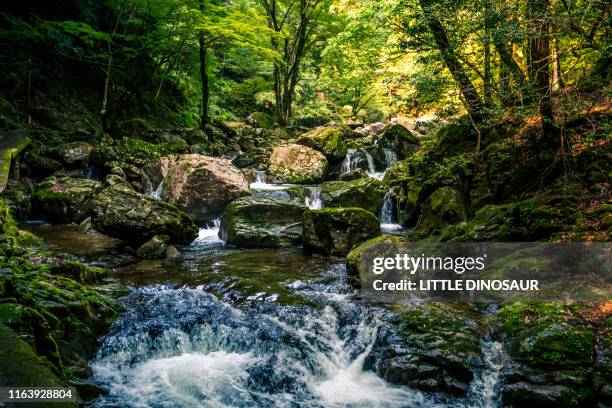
(200, 183)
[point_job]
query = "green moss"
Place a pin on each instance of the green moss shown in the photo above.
(367, 193)
(136, 151)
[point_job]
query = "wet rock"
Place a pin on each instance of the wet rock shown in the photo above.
(203, 186)
(526, 394)
(335, 231)
(327, 140)
(360, 260)
(172, 252)
(89, 391)
(354, 175)
(136, 218)
(65, 199)
(113, 180)
(253, 222)
(435, 347)
(297, 164)
(400, 140)
(155, 248)
(367, 193)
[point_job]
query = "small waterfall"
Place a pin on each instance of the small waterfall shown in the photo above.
(349, 163)
(260, 177)
(313, 201)
(485, 389)
(158, 192)
(89, 173)
(370, 160)
(388, 221)
(390, 157)
(208, 235)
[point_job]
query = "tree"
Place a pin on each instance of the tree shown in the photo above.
(295, 27)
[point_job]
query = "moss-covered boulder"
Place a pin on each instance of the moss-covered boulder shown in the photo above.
(260, 120)
(203, 186)
(136, 151)
(298, 164)
(554, 346)
(335, 231)
(354, 175)
(74, 154)
(255, 222)
(155, 248)
(65, 199)
(435, 347)
(136, 218)
(442, 208)
(400, 140)
(367, 193)
(360, 260)
(328, 140)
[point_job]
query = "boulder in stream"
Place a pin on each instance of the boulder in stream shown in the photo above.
(203, 186)
(65, 199)
(155, 248)
(335, 231)
(136, 218)
(257, 222)
(367, 193)
(328, 140)
(297, 164)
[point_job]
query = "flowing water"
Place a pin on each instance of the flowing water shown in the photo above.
(251, 328)
(313, 201)
(390, 157)
(350, 161)
(388, 220)
(158, 192)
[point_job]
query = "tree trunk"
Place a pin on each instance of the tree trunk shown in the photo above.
(472, 100)
(557, 82)
(539, 63)
(488, 27)
(204, 118)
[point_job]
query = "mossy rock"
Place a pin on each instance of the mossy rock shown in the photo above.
(297, 164)
(258, 222)
(329, 140)
(399, 139)
(335, 231)
(367, 193)
(155, 248)
(136, 151)
(359, 261)
(442, 208)
(261, 120)
(65, 199)
(135, 218)
(434, 347)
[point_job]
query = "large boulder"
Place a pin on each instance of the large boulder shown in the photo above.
(252, 222)
(367, 193)
(74, 153)
(65, 199)
(361, 258)
(335, 231)
(434, 347)
(136, 218)
(400, 140)
(260, 120)
(296, 163)
(443, 207)
(202, 186)
(328, 140)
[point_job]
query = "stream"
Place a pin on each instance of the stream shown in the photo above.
(251, 328)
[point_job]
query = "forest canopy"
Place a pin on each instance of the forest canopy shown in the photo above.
(306, 62)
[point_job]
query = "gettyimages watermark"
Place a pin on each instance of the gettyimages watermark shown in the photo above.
(393, 270)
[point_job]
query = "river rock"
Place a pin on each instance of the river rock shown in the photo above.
(296, 163)
(260, 120)
(155, 248)
(443, 207)
(65, 199)
(328, 140)
(74, 153)
(399, 139)
(367, 193)
(136, 218)
(253, 222)
(202, 186)
(435, 347)
(335, 231)
(360, 260)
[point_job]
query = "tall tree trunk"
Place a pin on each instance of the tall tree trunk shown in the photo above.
(204, 118)
(468, 91)
(557, 82)
(488, 27)
(539, 63)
